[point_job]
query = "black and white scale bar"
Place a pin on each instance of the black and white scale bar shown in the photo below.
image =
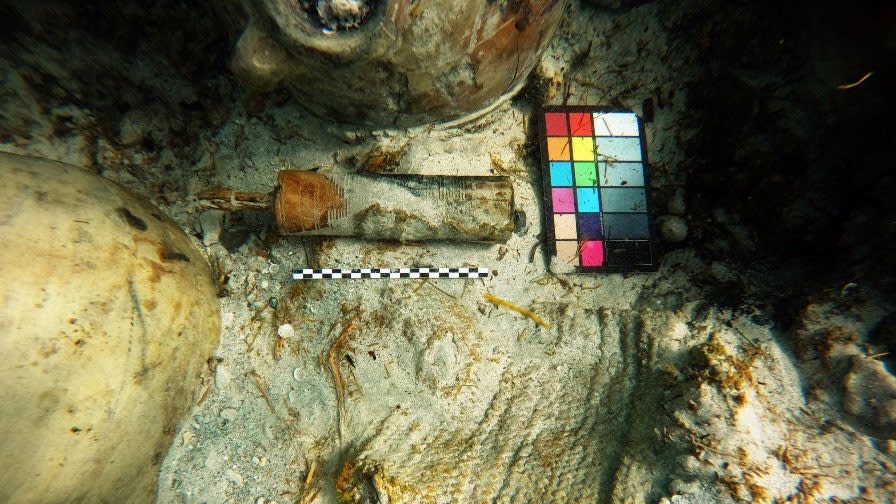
(317, 274)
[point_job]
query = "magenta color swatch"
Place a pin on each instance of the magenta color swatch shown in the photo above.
(555, 124)
(592, 253)
(562, 200)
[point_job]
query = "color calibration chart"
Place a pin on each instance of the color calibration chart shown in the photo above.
(596, 197)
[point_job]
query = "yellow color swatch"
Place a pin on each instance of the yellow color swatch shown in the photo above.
(582, 148)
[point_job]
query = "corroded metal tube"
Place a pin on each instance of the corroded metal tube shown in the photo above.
(403, 208)
(395, 207)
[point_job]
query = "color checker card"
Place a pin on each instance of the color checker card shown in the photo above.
(596, 191)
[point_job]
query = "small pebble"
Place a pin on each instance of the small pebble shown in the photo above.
(234, 477)
(215, 460)
(673, 229)
(286, 331)
(690, 465)
(676, 204)
(720, 216)
(680, 487)
(295, 374)
(211, 223)
(229, 414)
(721, 272)
(132, 129)
(519, 221)
(222, 376)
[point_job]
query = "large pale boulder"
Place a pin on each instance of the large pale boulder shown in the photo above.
(107, 316)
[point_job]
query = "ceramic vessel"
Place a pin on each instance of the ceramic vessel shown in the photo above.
(394, 62)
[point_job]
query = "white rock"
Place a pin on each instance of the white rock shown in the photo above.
(132, 129)
(211, 223)
(108, 314)
(678, 486)
(439, 363)
(676, 204)
(673, 229)
(234, 477)
(222, 376)
(229, 414)
(870, 395)
(722, 272)
(286, 331)
(215, 460)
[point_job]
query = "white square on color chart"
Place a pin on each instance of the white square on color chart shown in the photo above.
(616, 124)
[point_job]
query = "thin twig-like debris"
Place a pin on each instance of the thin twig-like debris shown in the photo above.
(263, 388)
(309, 490)
(204, 395)
(226, 199)
(338, 382)
(491, 298)
(844, 87)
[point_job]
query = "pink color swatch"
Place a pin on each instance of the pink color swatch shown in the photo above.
(562, 200)
(592, 253)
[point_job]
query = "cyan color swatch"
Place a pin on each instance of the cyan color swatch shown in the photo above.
(561, 174)
(587, 199)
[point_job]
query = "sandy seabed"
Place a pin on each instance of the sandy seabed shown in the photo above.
(715, 379)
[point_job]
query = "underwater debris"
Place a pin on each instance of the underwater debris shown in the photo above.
(519, 309)
(405, 208)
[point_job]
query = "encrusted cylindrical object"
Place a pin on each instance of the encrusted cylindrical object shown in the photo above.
(395, 207)
(394, 62)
